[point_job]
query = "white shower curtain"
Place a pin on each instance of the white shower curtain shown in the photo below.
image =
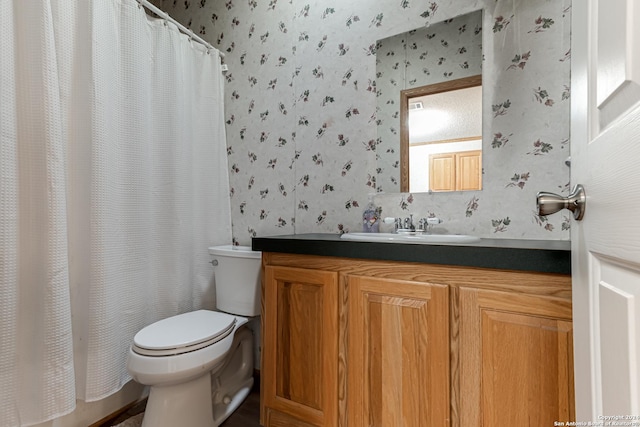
(113, 183)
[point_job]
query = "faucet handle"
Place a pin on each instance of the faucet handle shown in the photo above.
(397, 222)
(427, 223)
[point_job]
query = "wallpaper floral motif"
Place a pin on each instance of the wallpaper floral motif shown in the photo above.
(301, 95)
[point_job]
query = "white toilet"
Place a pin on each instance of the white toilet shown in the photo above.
(199, 365)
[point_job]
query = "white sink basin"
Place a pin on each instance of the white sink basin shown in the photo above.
(410, 238)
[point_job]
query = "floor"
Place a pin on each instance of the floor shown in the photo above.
(247, 415)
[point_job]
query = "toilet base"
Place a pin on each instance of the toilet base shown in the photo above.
(208, 400)
(234, 381)
(222, 411)
(185, 404)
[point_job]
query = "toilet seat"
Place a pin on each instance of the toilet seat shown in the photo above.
(183, 333)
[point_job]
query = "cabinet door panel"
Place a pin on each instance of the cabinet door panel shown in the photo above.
(398, 353)
(517, 366)
(442, 172)
(469, 171)
(301, 343)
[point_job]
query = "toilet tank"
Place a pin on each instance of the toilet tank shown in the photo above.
(237, 278)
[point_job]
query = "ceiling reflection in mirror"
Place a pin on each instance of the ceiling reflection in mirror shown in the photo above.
(438, 55)
(445, 116)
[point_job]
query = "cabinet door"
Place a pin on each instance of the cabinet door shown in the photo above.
(469, 170)
(300, 345)
(516, 365)
(442, 172)
(398, 353)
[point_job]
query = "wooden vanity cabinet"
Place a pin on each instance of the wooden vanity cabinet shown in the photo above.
(355, 343)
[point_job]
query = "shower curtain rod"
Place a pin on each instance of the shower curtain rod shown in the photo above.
(185, 30)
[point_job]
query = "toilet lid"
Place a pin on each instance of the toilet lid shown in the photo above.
(183, 333)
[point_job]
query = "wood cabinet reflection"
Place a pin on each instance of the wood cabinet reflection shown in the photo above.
(460, 171)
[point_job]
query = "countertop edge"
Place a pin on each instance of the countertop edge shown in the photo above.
(502, 254)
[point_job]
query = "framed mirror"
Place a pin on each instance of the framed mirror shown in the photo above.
(441, 136)
(434, 59)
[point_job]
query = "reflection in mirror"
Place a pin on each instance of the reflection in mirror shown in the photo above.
(441, 136)
(441, 53)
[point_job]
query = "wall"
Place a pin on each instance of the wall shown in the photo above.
(300, 108)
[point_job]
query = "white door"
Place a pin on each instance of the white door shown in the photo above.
(605, 150)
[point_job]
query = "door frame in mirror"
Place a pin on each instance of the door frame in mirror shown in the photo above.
(405, 96)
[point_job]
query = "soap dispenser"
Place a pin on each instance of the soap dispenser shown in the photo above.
(371, 217)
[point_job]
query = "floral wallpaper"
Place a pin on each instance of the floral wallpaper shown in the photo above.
(301, 95)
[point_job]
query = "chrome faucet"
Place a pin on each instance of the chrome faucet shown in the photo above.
(408, 224)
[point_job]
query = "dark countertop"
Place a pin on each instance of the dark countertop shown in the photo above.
(545, 256)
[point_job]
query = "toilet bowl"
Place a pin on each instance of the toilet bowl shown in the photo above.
(199, 365)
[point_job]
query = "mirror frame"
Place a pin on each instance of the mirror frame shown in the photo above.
(405, 96)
